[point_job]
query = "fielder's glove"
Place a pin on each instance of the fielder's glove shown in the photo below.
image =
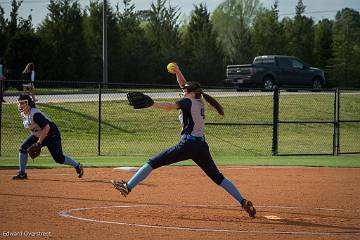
(34, 150)
(139, 100)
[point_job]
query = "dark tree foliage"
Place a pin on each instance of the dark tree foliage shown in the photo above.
(268, 36)
(344, 68)
(66, 57)
(68, 44)
(323, 43)
(204, 56)
(299, 35)
(135, 56)
(18, 42)
(93, 25)
(162, 33)
(241, 42)
(3, 34)
(23, 48)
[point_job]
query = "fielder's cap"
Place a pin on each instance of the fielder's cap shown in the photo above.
(192, 86)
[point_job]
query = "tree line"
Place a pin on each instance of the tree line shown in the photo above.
(67, 44)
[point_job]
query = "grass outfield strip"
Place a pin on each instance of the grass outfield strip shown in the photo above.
(145, 132)
(315, 161)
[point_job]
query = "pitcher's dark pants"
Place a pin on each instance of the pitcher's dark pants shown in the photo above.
(197, 150)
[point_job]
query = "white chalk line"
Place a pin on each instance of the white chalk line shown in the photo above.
(67, 214)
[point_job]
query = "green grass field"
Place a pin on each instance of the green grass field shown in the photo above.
(129, 137)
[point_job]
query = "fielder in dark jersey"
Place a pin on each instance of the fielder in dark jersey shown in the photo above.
(43, 132)
(192, 144)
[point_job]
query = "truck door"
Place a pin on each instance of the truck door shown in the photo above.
(286, 73)
(302, 74)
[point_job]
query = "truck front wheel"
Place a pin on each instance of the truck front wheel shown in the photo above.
(317, 83)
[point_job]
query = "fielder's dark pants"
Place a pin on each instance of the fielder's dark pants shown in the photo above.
(196, 150)
(52, 142)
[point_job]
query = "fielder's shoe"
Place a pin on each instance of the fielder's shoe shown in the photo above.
(80, 170)
(121, 186)
(248, 207)
(20, 176)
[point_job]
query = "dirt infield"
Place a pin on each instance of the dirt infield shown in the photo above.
(181, 203)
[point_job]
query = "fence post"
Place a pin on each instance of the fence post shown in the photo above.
(337, 148)
(1, 96)
(275, 122)
(335, 122)
(99, 123)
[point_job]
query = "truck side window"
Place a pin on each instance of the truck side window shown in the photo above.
(284, 63)
(296, 64)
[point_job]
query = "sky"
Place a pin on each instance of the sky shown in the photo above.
(317, 9)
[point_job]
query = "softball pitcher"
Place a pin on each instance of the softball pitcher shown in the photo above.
(192, 144)
(43, 133)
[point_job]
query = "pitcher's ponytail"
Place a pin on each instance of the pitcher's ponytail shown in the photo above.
(212, 101)
(196, 88)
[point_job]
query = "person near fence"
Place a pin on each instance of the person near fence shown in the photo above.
(3, 73)
(192, 143)
(28, 76)
(43, 133)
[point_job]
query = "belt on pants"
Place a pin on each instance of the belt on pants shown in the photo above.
(194, 138)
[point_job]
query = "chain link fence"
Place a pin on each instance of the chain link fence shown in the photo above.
(348, 135)
(306, 123)
(95, 119)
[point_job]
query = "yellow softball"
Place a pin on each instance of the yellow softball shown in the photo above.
(171, 67)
